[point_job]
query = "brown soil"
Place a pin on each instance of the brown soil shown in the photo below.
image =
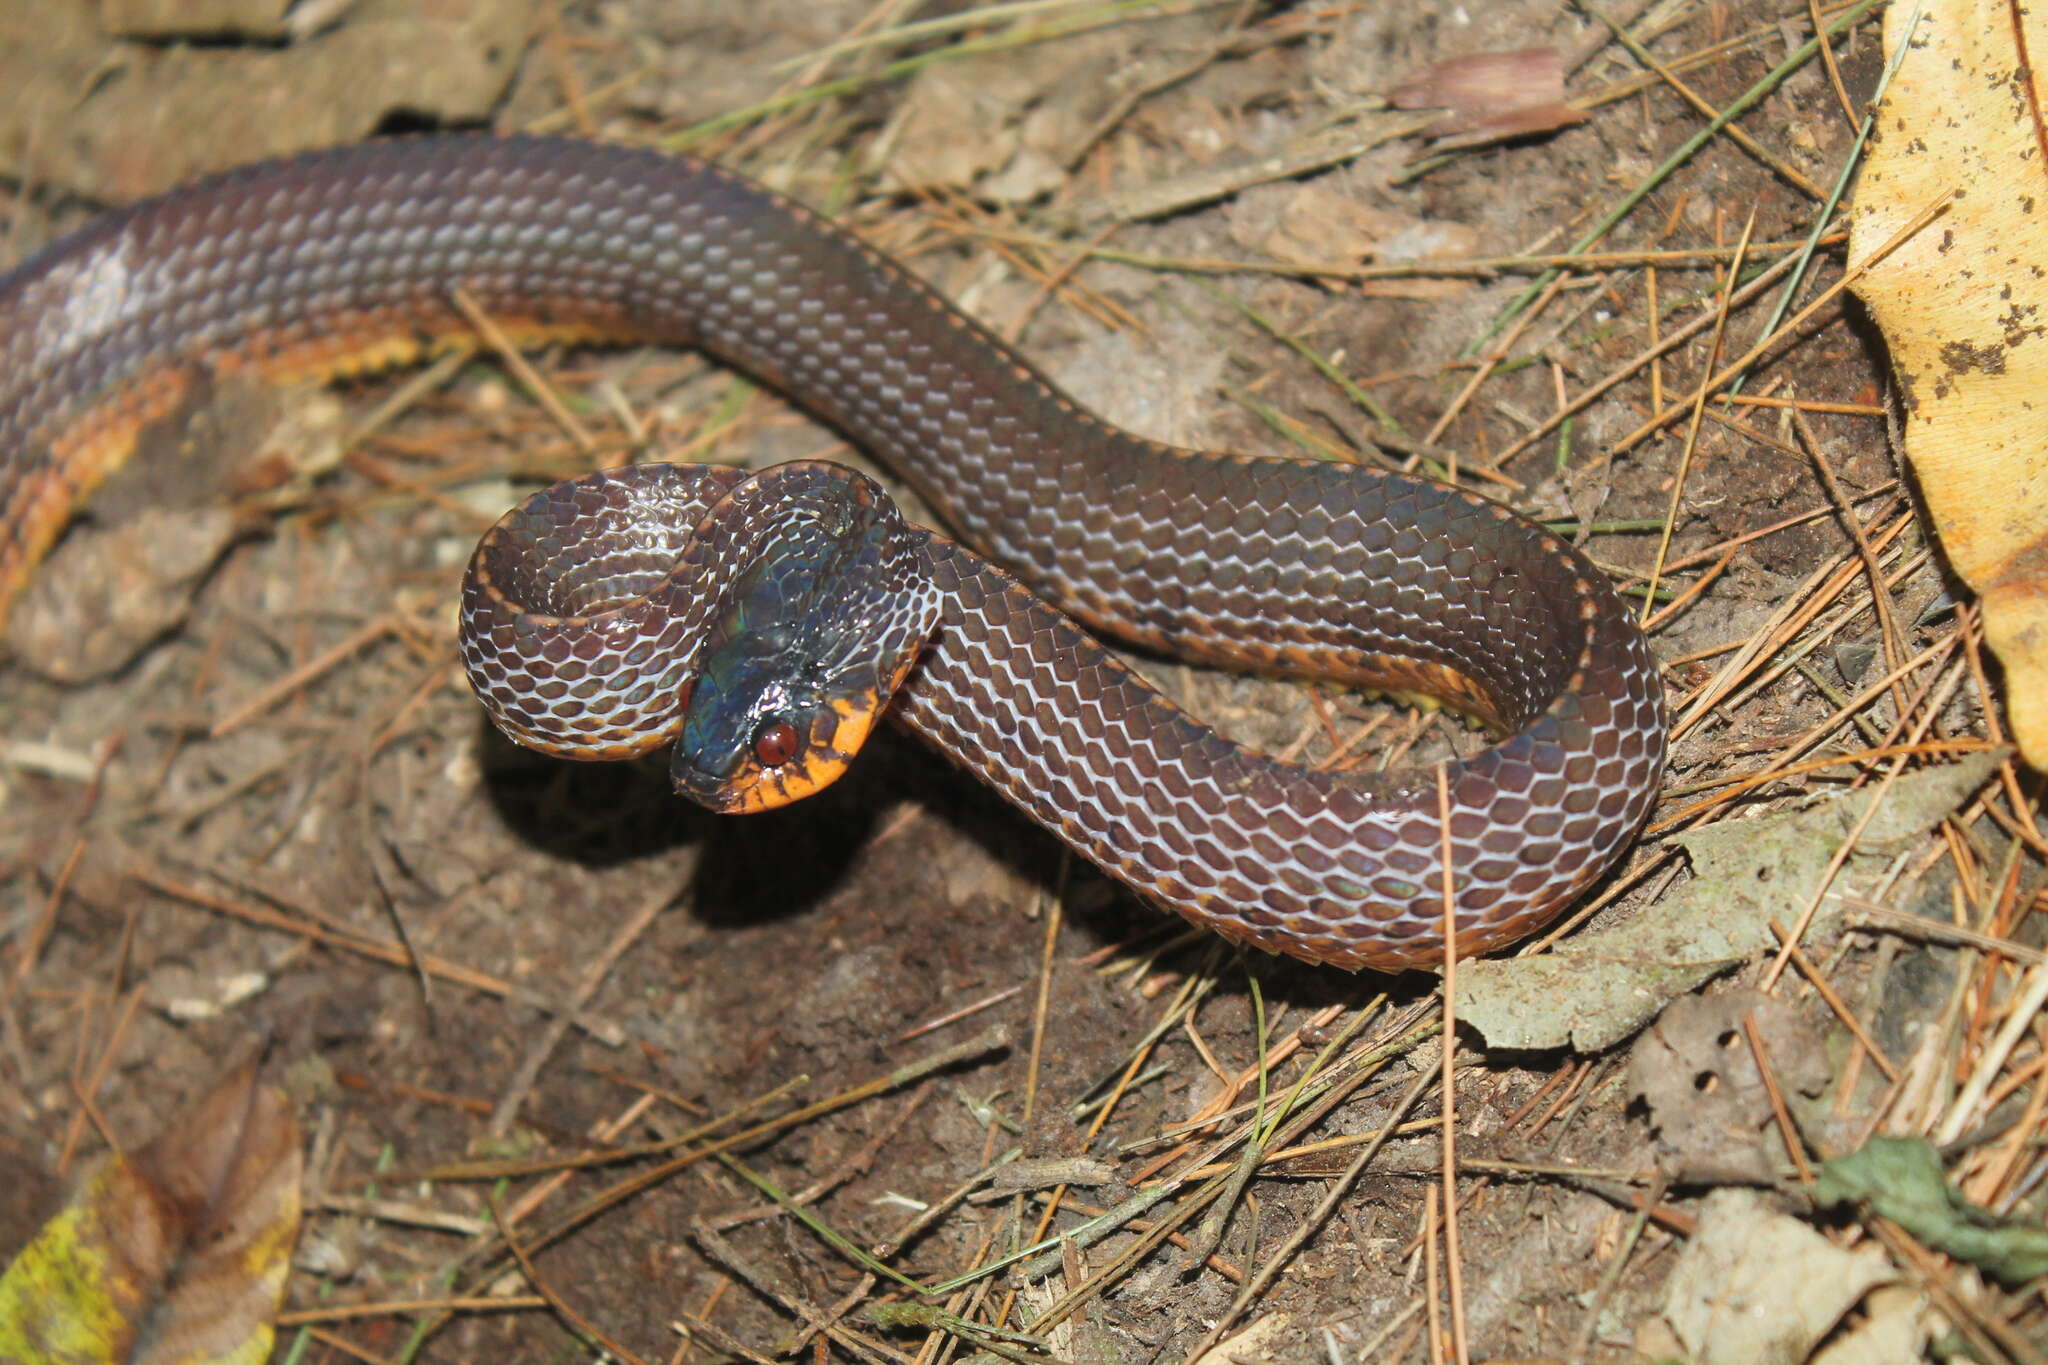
(177, 896)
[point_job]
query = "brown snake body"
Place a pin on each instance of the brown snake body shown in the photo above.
(346, 259)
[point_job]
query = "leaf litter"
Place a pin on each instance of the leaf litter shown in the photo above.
(174, 1253)
(1595, 989)
(590, 1066)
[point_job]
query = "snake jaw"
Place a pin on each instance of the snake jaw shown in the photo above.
(837, 730)
(836, 733)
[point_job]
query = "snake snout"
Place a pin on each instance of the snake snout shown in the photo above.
(784, 756)
(705, 779)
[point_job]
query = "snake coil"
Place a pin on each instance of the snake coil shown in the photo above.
(344, 260)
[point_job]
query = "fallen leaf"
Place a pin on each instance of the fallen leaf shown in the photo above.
(1593, 990)
(1759, 1287)
(1896, 1325)
(1254, 1344)
(1961, 304)
(1491, 96)
(1902, 1179)
(1695, 1070)
(177, 1253)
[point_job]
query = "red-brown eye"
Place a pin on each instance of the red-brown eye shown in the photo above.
(776, 742)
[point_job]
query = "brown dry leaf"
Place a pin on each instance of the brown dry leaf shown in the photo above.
(177, 1253)
(1695, 1070)
(1963, 304)
(1491, 96)
(1755, 1286)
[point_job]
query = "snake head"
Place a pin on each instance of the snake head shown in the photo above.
(826, 606)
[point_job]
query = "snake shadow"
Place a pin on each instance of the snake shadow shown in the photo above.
(753, 868)
(603, 815)
(783, 864)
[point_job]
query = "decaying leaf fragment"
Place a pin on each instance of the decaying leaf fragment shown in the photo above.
(1902, 1179)
(175, 1253)
(1755, 1286)
(1491, 96)
(1964, 308)
(1595, 989)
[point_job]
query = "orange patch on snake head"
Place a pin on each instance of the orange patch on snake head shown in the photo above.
(807, 762)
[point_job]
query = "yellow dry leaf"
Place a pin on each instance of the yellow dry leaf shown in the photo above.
(173, 1255)
(1964, 308)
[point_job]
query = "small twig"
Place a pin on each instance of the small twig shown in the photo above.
(1692, 432)
(1054, 916)
(1453, 1253)
(1787, 1130)
(561, 1305)
(1827, 57)
(529, 378)
(954, 1016)
(399, 1308)
(1312, 1224)
(1880, 595)
(1863, 914)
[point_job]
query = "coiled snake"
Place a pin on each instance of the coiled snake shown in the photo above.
(761, 623)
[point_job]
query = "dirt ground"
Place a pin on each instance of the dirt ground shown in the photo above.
(249, 838)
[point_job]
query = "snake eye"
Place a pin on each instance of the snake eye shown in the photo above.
(776, 743)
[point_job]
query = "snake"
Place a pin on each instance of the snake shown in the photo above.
(760, 624)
